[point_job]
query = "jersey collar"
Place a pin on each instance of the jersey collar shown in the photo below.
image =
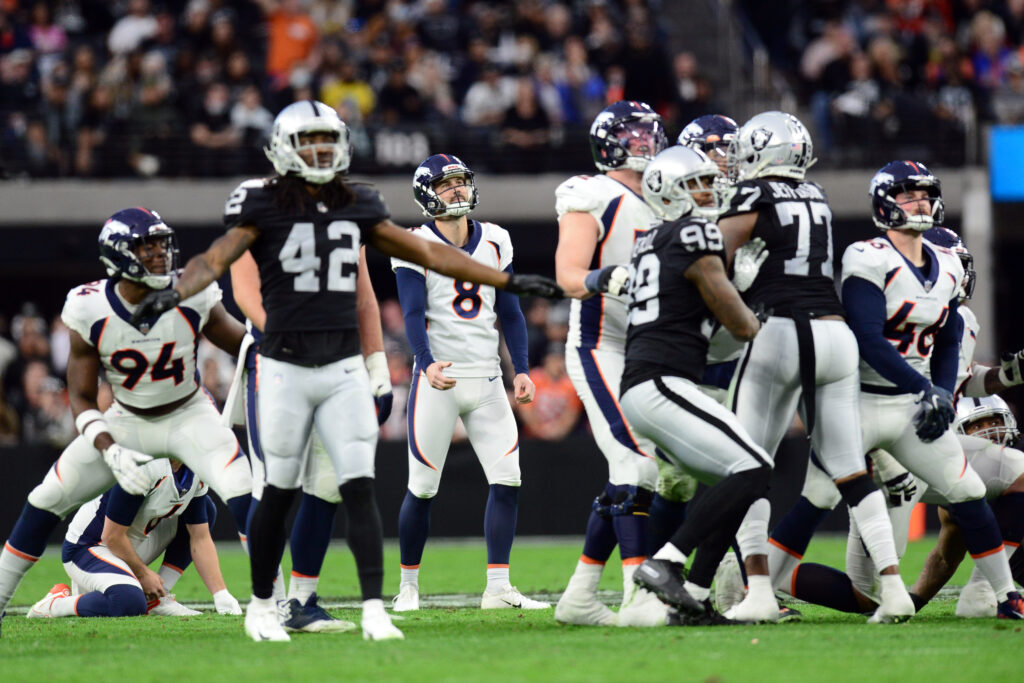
(927, 281)
(183, 479)
(627, 188)
(121, 310)
(475, 233)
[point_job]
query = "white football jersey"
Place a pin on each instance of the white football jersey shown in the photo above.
(915, 308)
(145, 370)
(621, 215)
(460, 315)
(967, 344)
(156, 522)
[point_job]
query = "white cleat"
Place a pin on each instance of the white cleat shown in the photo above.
(582, 608)
(977, 601)
(262, 622)
(897, 606)
(169, 607)
(377, 623)
(407, 600)
(41, 610)
(729, 588)
(643, 609)
(508, 598)
(755, 609)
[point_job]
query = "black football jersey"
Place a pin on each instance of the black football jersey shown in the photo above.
(308, 262)
(669, 323)
(795, 221)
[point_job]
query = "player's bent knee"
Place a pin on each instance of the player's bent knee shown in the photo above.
(968, 487)
(283, 473)
(51, 497)
(631, 500)
(125, 601)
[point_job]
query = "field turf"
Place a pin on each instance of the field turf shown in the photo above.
(452, 640)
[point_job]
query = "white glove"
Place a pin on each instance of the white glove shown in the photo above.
(380, 376)
(126, 465)
(610, 280)
(226, 603)
(1010, 373)
(747, 262)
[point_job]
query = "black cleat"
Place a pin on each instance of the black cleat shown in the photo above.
(789, 615)
(710, 617)
(665, 579)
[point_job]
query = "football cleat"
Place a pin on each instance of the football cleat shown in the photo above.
(41, 610)
(665, 579)
(377, 623)
(729, 588)
(167, 606)
(1012, 607)
(643, 609)
(897, 606)
(508, 598)
(263, 622)
(582, 608)
(711, 617)
(312, 618)
(408, 598)
(977, 601)
(755, 609)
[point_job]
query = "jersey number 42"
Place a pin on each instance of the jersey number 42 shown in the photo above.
(298, 255)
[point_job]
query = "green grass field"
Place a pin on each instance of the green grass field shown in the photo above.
(450, 642)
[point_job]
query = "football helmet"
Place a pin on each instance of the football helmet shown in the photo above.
(433, 170)
(621, 126)
(709, 132)
(970, 411)
(773, 143)
(673, 178)
(902, 176)
(944, 237)
(285, 149)
(121, 236)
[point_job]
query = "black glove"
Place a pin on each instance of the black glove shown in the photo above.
(761, 312)
(935, 414)
(154, 305)
(901, 489)
(533, 285)
(384, 404)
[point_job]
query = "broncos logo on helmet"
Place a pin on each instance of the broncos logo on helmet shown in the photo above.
(627, 135)
(433, 170)
(121, 236)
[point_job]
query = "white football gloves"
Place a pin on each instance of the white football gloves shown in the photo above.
(608, 280)
(126, 465)
(380, 376)
(747, 262)
(226, 603)
(1010, 373)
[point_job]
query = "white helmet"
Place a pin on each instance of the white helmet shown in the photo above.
(772, 143)
(971, 410)
(674, 176)
(308, 116)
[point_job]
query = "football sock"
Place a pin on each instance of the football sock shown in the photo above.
(821, 585)
(500, 523)
(1017, 565)
(867, 507)
(239, 507)
(311, 534)
(671, 553)
(413, 528)
(698, 593)
(666, 516)
(982, 538)
(859, 567)
(169, 575)
(632, 510)
(365, 535)
(23, 548)
(13, 565)
(497, 578)
(721, 508)
(709, 555)
(301, 587)
(411, 576)
(600, 540)
(752, 534)
(267, 538)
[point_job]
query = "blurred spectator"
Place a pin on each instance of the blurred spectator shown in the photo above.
(1008, 100)
(133, 28)
(29, 332)
(215, 139)
(153, 120)
(48, 39)
(988, 35)
(395, 428)
(60, 345)
(488, 98)
(10, 423)
(346, 84)
(292, 35)
(254, 122)
(398, 102)
(556, 408)
(393, 324)
(646, 66)
(536, 330)
(524, 130)
(48, 418)
(217, 368)
(693, 91)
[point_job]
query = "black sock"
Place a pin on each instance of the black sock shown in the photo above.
(821, 585)
(267, 537)
(1017, 565)
(721, 507)
(365, 534)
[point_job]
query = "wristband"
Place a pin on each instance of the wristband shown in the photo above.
(94, 429)
(85, 417)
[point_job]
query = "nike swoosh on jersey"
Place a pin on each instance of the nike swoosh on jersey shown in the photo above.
(491, 379)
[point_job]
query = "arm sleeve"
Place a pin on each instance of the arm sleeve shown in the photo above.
(195, 513)
(865, 310)
(946, 352)
(513, 327)
(123, 506)
(412, 295)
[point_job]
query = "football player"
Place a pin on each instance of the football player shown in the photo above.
(304, 227)
(773, 200)
(677, 282)
(314, 522)
(457, 374)
(711, 134)
(158, 408)
(598, 218)
(113, 538)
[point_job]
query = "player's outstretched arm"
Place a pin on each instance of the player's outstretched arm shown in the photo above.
(204, 554)
(709, 275)
(223, 330)
(943, 560)
(245, 286)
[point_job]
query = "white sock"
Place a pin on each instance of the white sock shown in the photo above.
(170, 576)
(301, 587)
(586, 577)
(875, 528)
(262, 603)
(780, 566)
(245, 543)
(372, 607)
(12, 568)
(279, 589)
(497, 578)
(996, 569)
(64, 607)
(410, 577)
(671, 553)
(699, 593)
(759, 585)
(752, 536)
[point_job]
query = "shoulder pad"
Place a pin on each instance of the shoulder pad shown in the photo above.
(867, 260)
(577, 194)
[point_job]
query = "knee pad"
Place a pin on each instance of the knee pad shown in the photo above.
(856, 490)
(631, 500)
(282, 473)
(602, 505)
(674, 484)
(968, 487)
(819, 488)
(125, 601)
(51, 497)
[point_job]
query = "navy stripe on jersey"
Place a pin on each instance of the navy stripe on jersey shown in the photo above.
(193, 319)
(414, 447)
(890, 275)
(250, 413)
(591, 311)
(707, 417)
(115, 301)
(606, 402)
(87, 562)
(475, 233)
(932, 265)
(607, 219)
(497, 249)
(93, 533)
(96, 331)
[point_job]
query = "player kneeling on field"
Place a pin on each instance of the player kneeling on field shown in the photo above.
(113, 538)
